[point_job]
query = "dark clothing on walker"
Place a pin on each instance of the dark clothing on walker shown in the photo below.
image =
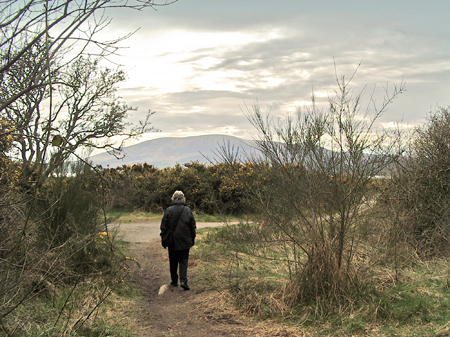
(184, 238)
(178, 259)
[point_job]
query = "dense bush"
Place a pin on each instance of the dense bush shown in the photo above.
(210, 189)
(421, 186)
(64, 210)
(52, 240)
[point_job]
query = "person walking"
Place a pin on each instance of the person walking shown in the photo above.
(179, 220)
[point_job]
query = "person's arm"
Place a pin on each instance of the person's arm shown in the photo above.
(163, 227)
(193, 228)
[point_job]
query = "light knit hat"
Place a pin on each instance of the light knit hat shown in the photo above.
(178, 196)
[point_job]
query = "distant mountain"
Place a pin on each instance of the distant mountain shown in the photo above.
(168, 151)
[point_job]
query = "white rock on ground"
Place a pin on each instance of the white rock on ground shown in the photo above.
(163, 289)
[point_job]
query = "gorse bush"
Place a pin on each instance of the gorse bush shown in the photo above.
(211, 189)
(55, 243)
(66, 209)
(68, 220)
(420, 189)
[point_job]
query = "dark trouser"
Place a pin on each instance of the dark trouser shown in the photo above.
(178, 260)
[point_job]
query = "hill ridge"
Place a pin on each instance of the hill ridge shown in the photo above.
(168, 151)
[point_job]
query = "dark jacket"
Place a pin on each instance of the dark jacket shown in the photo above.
(185, 230)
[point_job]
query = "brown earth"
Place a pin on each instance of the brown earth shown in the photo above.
(199, 312)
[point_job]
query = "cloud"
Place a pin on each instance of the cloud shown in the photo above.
(199, 63)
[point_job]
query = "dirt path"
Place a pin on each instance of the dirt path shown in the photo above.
(177, 312)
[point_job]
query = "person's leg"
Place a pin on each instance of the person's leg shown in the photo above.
(173, 262)
(183, 259)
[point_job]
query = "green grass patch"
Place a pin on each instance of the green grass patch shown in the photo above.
(251, 280)
(60, 312)
(414, 302)
(93, 305)
(130, 217)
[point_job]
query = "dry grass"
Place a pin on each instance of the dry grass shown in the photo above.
(43, 316)
(216, 308)
(410, 299)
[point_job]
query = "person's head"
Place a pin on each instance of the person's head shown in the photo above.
(178, 196)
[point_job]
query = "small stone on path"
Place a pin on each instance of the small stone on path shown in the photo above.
(163, 289)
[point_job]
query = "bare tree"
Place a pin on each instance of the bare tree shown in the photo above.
(87, 114)
(321, 167)
(53, 98)
(64, 25)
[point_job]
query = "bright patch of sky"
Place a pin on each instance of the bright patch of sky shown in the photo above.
(178, 60)
(201, 64)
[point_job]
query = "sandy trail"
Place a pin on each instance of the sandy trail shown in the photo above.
(176, 312)
(145, 232)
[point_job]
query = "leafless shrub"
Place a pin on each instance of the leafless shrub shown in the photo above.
(322, 165)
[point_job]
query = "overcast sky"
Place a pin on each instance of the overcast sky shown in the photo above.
(198, 63)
